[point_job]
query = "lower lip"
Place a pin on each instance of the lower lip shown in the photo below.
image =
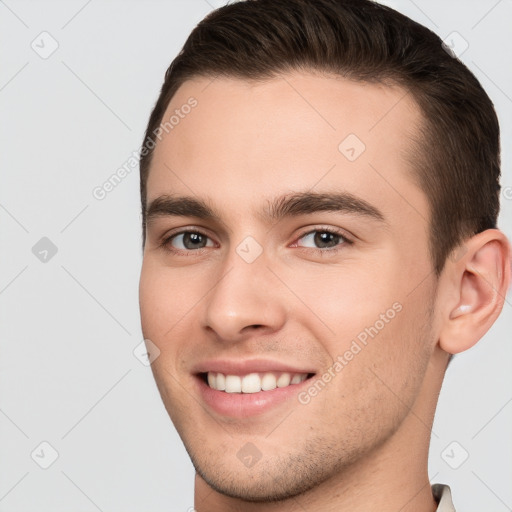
(244, 405)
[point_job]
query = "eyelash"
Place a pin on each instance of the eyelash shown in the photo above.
(345, 240)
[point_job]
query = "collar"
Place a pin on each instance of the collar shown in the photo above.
(443, 496)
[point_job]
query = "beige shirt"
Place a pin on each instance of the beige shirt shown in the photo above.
(443, 496)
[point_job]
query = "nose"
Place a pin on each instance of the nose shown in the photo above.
(244, 297)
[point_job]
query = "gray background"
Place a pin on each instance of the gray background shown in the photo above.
(69, 324)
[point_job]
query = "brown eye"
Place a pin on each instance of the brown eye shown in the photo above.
(322, 239)
(325, 239)
(189, 240)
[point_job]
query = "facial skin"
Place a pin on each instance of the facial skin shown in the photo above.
(361, 441)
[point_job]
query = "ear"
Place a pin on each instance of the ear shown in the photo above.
(475, 290)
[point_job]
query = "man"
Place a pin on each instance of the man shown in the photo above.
(319, 183)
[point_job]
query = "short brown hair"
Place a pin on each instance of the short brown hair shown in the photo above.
(457, 161)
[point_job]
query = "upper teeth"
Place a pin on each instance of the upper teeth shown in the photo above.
(253, 382)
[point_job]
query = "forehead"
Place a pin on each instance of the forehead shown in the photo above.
(243, 141)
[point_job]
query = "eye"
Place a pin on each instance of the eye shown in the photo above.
(322, 239)
(188, 240)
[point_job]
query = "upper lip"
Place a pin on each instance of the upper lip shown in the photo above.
(244, 367)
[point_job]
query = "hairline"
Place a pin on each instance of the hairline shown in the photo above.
(416, 154)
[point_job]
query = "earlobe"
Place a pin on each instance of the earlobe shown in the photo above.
(479, 282)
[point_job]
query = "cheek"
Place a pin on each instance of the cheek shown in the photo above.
(382, 367)
(166, 296)
(169, 300)
(151, 301)
(161, 309)
(394, 356)
(367, 315)
(343, 301)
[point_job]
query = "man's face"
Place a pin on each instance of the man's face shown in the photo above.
(279, 292)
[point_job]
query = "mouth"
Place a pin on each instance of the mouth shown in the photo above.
(251, 394)
(255, 382)
(249, 388)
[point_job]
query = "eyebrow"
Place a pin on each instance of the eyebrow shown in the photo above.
(289, 205)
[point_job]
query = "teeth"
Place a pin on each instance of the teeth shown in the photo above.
(221, 382)
(268, 382)
(233, 384)
(295, 379)
(253, 382)
(284, 380)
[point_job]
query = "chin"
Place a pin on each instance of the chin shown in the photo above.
(274, 478)
(256, 488)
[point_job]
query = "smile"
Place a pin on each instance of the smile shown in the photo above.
(243, 388)
(253, 382)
